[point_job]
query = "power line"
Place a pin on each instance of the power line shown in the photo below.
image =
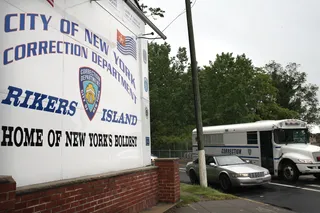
(178, 16)
(175, 19)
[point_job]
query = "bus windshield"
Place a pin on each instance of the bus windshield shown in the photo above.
(285, 136)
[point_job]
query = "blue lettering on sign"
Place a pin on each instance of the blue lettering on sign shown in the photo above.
(37, 101)
(30, 21)
(23, 51)
(94, 40)
(103, 63)
(11, 20)
(124, 69)
(121, 118)
(68, 27)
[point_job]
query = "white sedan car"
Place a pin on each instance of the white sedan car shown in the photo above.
(229, 171)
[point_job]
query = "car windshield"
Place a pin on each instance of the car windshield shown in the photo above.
(285, 136)
(229, 160)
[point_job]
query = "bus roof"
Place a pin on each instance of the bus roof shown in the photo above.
(263, 125)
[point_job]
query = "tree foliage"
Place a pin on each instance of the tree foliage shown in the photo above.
(294, 93)
(151, 11)
(169, 98)
(232, 90)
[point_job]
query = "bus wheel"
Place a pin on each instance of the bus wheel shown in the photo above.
(225, 183)
(193, 178)
(290, 172)
(317, 176)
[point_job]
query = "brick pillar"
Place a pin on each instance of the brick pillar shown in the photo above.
(169, 179)
(7, 194)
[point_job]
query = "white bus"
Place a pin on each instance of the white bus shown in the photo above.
(282, 146)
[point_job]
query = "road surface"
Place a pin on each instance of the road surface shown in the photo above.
(302, 197)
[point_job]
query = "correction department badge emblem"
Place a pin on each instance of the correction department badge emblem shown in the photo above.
(249, 151)
(90, 90)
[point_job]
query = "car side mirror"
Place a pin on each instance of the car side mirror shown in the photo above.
(213, 164)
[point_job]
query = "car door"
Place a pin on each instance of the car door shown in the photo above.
(195, 166)
(215, 172)
(210, 169)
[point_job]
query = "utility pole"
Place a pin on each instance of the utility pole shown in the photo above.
(197, 102)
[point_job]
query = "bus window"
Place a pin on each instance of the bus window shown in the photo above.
(252, 138)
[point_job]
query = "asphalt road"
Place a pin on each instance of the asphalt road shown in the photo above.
(302, 197)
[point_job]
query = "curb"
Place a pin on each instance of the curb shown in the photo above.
(162, 207)
(173, 208)
(265, 204)
(253, 201)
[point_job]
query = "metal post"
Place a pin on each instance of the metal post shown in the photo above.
(197, 103)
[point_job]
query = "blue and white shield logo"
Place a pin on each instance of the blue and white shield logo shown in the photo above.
(90, 90)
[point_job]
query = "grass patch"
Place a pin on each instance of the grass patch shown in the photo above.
(196, 193)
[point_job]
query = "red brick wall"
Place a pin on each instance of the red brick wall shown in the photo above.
(126, 191)
(169, 179)
(7, 194)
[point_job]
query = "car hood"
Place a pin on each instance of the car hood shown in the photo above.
(244, 168)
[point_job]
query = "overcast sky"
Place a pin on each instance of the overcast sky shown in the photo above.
(280, 30)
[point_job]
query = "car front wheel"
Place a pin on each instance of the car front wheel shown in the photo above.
(225, 183)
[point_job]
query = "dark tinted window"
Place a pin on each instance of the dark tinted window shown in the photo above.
(209, 160)
(252, 138)
(291, 136)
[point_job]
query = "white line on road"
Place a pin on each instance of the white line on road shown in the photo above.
(295, 187)
(182, 169)
(313, 185)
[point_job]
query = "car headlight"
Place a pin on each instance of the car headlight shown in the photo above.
(240, 175)
(266, 172)
(304, 161)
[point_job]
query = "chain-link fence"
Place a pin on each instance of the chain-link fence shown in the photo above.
(182, 154)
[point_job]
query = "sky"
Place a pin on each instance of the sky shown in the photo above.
(284, 31)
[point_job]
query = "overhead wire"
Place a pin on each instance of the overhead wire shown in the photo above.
(178, 16)
(175, 19)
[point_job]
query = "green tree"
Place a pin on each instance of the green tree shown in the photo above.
(294, 93)
(165, 90)
(232, 90)
(151, 11)
(235, 91)
(171, 100)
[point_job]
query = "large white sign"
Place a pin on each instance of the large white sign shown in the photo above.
(74, 96)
